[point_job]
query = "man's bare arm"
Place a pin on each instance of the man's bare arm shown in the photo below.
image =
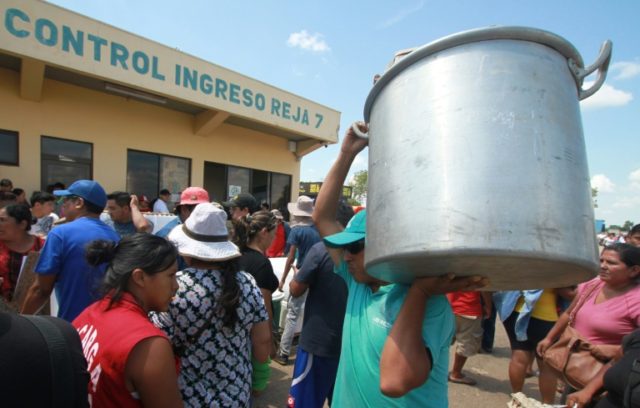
(141, 223)
(38, 293)
(324, 214)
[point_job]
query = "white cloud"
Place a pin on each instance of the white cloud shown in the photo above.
(627, 202)
(606, 96)
(308, 42)
(602, 183)
(634, 178)
(625, 69)
(622, 202)
(401, 15)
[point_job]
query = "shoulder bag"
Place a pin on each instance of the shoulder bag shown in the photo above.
(570, 356)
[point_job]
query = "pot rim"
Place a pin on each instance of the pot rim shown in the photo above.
(517, 33)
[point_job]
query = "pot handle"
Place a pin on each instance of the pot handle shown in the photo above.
(601, 64)
(358, 132)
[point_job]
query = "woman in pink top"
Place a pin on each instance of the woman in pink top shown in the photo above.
(612, 307)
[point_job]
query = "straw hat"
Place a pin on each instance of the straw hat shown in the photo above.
(204, 235)
(301, 208)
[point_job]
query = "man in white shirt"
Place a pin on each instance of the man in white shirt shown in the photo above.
(160, 204)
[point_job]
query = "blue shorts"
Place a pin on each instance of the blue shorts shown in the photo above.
(313, 380)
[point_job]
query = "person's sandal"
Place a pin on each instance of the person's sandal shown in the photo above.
(281, 359)
(462, 380)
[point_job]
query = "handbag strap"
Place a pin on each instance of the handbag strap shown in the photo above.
(581, 301)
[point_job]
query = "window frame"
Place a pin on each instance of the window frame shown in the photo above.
(83, 161)
(158, 169)
(270, 174)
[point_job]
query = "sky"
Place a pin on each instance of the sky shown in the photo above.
(328, 51)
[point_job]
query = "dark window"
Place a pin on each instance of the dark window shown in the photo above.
(223, 181)
(142, 173)
(148, 173)
(280, 191)
(215, 175)
(9, 151)
(65, 161)
(260, 185)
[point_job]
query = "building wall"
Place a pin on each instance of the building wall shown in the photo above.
(114, 124)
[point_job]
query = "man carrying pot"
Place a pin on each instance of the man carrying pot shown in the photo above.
(396, 338)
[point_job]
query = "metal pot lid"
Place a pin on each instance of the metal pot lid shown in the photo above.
(543, 37)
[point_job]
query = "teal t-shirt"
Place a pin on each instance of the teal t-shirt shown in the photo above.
(368, 321)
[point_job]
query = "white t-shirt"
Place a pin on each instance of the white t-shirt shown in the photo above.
(160, 206)
(44, 225)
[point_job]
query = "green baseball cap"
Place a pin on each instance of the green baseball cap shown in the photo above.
(356, 230)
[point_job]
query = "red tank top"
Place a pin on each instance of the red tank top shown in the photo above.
(465, 303)
(108, 336)
(278, 244)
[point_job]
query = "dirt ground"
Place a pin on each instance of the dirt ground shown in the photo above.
(489, 370)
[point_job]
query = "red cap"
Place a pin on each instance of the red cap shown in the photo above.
(194, 195)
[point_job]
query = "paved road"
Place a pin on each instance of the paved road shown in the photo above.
(490, 370)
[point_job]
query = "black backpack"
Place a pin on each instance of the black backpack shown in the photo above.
(62, 370)
(631, 394)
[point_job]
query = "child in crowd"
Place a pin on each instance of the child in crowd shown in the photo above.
(42, 206)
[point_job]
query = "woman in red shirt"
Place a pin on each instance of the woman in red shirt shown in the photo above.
(130, 361)
(278, 244)
(15, 243)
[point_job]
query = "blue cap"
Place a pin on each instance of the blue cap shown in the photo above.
(355, 231)
(90, 190)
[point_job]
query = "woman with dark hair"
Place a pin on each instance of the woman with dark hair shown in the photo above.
(610, 305)
(15, 243)
(633, 237)
(21, 196)
(130, 361)
(253, 234)
(217, 321)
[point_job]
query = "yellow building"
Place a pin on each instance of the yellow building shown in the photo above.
(82, 99)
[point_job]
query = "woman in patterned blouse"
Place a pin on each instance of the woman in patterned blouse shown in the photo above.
(218, 319)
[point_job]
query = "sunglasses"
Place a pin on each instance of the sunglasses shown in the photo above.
(354, 247)
(64, 199)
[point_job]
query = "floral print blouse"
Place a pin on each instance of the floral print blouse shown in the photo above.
(215, 361)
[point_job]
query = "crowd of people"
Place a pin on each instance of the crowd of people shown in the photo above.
(185, 316)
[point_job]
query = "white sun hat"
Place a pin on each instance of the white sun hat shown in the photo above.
(301, 208)
(204, 235)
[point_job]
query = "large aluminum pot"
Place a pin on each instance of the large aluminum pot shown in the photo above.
(477, 162)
